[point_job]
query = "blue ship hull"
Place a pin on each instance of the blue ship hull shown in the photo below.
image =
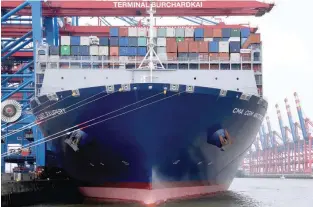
(151, 142)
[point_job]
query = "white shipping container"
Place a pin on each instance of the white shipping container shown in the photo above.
(235, 57)
(123, 58)
(163, 56)
(94, 50)
(84, 40)
(180, 32)
(132, 31)
(170, 32)
(104, 50)
(93, 40)
(65, 40)
(161, 50)
(189, 32)
(208, 39)
(142, 32)
(223, 46)
(161, 42)
(234, 39)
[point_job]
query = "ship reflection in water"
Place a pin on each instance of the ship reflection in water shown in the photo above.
(244, 192)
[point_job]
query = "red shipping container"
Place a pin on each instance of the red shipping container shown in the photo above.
(246, 66)
(208, 32)
(223, 56)
(123, 32)
(217, 33)
(204, 66)
(203, 46)
(113, 51)
(245, 56)
(183, 46)
(171, 45)
(171, 56)
(193, 46)
(214, 67)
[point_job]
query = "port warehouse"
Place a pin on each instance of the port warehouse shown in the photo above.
(225, 47)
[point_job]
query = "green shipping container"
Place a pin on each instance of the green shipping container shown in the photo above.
(179, 39)
(142, 41)
(235, 33)
(65, 50)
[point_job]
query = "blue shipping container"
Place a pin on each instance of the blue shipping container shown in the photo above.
(84, 50)
(183, 66)
(213, 46)
(172, 66)
(123, 41)
(114, 41)
(123, 51)
(199, 32)
(245, 32)
(193, 55)
(132, 51)
(104, 41)
(54, 50)
(217, 39)
(132, 41)
(193, 66)
(74, 50)
(199, 39)
(75, 40)
(226, 32)
(114, 32)
(183, 55)
(141, 51)
(234, 47)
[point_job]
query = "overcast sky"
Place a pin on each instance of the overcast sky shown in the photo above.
(286, 33)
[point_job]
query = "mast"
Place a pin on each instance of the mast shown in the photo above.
(152, 54)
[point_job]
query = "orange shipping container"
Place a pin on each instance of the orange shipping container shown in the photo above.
(223, 56)
(217, 33)
(113, 51)
(203, 46)
(172, 56)
(213, 56)
(208, 32)
(171, 45)
(193, 46)
(123, 32)
(182, 46)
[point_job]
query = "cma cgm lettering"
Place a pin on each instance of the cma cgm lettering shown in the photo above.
(160, 4)
(49, 114)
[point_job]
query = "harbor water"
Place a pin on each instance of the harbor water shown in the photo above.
(244, 192)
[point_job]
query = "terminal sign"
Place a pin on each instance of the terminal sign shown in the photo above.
(158, 4)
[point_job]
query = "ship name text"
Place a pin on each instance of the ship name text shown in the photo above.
(248, 113)
(49, 114)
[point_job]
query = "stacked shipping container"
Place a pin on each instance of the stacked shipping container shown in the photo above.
(172, 43)
(227, 48)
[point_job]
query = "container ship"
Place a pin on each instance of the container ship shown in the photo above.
(149, 114)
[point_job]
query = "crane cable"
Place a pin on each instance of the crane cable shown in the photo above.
(46, 138)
